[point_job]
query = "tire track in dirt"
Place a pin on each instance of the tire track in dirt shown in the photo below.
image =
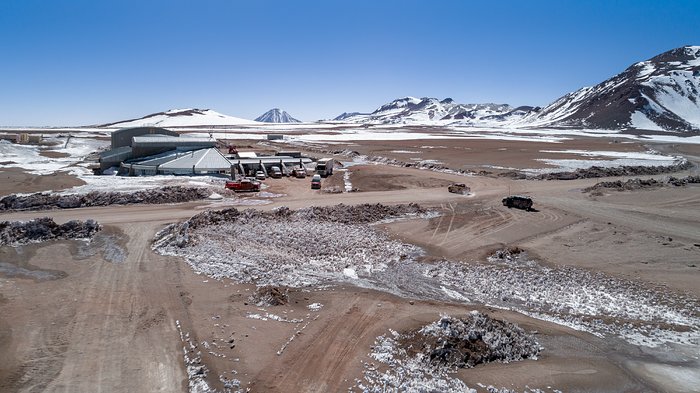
(326, 354)
(109, 346)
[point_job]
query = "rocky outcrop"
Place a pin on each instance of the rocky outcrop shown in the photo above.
(464, 342)
(45, 229)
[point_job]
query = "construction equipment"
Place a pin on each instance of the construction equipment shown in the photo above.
(518, 202)
(459, 188)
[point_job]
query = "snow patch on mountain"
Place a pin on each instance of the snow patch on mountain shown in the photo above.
(190, 117)
(276, 115)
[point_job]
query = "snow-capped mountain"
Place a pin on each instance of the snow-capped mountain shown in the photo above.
(276, 115)
(659, 94)
(183, 118)
(411, 110)
(347, 115)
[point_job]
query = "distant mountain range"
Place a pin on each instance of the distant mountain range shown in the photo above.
(434, 111)
(659, 94)
(276, 115)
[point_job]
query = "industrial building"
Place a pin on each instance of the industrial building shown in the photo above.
(123, 136)
(134, 143)
(195, 162)
(144, 151)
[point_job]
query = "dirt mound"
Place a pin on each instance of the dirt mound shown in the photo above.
(178, 234)
(270, 296)
(46, 201)
(43, 229)
(288, 248)
(359, 214)
(642, 184)
(470, 340)
(425, 359)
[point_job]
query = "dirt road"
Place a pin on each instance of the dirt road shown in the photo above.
(109, 326)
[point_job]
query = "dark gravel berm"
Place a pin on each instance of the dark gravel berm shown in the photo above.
(44, 229)
(47, 201)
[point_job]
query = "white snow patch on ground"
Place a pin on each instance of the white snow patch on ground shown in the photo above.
(350, 272)
(267, 316)
(136, 183)
(454, 294)
(590, 301)
(346, 181)
(650, 155)
(28, 157)
(616, 159)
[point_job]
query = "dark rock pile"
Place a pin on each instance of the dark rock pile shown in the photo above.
(470, 340)
(268, 296)
(359, 214)
(43, 229)
(596, 171)
(641, 184)
(46, 201)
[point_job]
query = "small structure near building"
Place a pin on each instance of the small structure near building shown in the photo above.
(21, 138)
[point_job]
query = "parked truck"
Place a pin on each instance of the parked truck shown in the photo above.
(324, 166)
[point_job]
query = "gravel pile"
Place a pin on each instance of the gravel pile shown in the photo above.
(641, 184)
(46, 201)
(44, 229)
(359, 214)
(269, 296)
(423, 360)
(470, 340)
(290, 248)
(585, 300)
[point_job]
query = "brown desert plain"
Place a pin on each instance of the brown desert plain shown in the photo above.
(91, 324)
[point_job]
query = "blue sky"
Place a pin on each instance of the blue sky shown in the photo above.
(76, 62)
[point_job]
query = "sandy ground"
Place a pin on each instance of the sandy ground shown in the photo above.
(106, 326)
(13, 180)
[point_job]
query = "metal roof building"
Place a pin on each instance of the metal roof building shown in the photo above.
(122, 137)
(114, 157)
(153, 144)
(195, 162)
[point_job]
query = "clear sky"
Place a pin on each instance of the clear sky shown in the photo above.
(80, 62)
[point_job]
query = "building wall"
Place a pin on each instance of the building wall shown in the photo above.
(123, 136)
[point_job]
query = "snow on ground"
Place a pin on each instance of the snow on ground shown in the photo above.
(269, 251)
(615, 159)
(135, 183)
(589, 301)
(28, 157)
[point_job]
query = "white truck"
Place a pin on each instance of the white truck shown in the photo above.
(324, 166)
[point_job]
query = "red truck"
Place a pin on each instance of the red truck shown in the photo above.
(243, 185)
